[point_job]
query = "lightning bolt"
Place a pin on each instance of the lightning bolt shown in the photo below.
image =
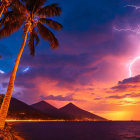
(137, 31)
(131, 64)
(133, 6)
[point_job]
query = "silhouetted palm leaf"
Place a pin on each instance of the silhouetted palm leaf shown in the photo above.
(33, 39)
(4, 4)
(27, 12)
(16, 5)
(51, 23)
(10, 28)
(11, 22)
(33, 5)
(31, 44)
(50, 10)
(46, 34)
(12, 16)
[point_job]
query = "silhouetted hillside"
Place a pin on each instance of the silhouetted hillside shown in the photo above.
(20, 110)
(50, 110)
(43, 110)
(79, 114)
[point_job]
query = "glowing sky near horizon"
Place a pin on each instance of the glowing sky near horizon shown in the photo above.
(94, 66)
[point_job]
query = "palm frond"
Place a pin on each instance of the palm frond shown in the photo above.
(25, 12)
(38, 4)
(31, 44)
(51, 23)
(1, 4)
(18, 6)
(2, 7)
(33, 37)
(33, 5)
(10, 28)
(46, 34)
(50, 10)
(11, 16)
(36, 38)
(5, 10)
(11, 20)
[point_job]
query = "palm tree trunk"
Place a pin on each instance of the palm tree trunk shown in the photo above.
(2, 7)
(7, 98)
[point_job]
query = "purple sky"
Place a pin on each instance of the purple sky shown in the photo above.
(91, 66)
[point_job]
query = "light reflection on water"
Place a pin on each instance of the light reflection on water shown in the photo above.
(79, 130)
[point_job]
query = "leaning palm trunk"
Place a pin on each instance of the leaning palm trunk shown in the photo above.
(7, 98)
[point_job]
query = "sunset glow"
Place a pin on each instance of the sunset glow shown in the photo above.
(96, 65)
(70, 69)
(31, 120)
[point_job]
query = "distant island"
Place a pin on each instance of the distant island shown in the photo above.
(44, 111)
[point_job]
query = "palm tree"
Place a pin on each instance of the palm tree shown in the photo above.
(35, 17)
(4, 4)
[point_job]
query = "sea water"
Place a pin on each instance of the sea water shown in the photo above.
(74, 130)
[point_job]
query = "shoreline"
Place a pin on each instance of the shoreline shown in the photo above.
(71, 121)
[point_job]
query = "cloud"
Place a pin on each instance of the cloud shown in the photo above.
(62, 68)
(127, 85)
(118, 97)
(132, 80)
(87, 52)
(115, 96)
(97, 98)
(123, 88)
(59, 98)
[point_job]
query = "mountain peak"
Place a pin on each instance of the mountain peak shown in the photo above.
(42, 102)
(70, 104)
(48, 109)
(78, 113)
(43, 105)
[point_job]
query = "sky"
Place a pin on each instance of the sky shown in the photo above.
(96, 66)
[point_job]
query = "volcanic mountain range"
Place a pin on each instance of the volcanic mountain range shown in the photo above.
(44, 111)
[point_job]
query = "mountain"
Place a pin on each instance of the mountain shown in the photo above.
(68, 112)
(44, 111)
(79, 114)
(50, 110)
(46, 108)
(20, 110)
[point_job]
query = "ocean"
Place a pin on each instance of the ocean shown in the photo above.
(72, 130)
